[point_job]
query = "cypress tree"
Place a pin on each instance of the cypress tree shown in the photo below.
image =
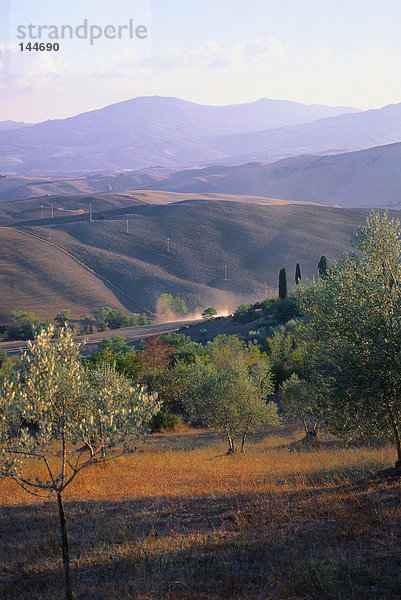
(297, 274)
(282, 285)
(322, 267)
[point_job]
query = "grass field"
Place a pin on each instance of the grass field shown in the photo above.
(179, 519)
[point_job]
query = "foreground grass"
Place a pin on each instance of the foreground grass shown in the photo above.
(180, 520)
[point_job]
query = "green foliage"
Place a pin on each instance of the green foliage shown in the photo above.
(6, 365)
(209, 313)
(229, 391)
(54, 410)
(353, 317)
(62, 318)
(185, 349)
(111, 318)
(169, 306)
(300, 398)
(282, 285)
(165, 420)
(24, 325)
(322, 267)
(287, 309)
(297, 274)
(114, 351)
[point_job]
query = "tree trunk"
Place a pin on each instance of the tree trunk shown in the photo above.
(243, 442)
(396, 438)
(231, 444)
(65, 548)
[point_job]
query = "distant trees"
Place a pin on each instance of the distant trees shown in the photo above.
(209, 313)
(323, 267)
(86, 324)
(111, 318)
(297, 274)
(62, 318)
(282, 284)
(55, 410)
(168, 306)
(24, 325)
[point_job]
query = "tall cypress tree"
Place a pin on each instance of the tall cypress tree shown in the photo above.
(297, 274)
(282, 285)
(322, 267)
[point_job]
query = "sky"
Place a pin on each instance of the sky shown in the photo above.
(332, 52)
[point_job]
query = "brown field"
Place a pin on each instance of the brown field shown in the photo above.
(34, 276)
(179, 519)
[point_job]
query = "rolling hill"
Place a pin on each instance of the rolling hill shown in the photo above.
(143, 132)
(368, 178)
(73, 208)
(35, 276)
(254, 241)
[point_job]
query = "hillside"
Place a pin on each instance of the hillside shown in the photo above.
(71, 208)
(254, 242)
(143, 132)
(368, 178)
(35, 276)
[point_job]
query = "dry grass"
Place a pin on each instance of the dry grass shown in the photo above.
(179, 519)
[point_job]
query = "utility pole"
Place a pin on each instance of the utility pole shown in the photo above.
(225, 273)
(127, 226)
(265, 289)
(42, 207)
(90, 211)
(168, 244)
(52, 207)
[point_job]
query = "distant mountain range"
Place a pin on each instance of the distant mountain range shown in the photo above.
(150, 131)
(343, 133)
(7, 125)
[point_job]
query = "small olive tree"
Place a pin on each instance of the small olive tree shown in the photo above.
(54, 412)
(228, 392)
(300, 398)
(229, 401)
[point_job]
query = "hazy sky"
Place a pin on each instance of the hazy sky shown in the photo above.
(208, 51)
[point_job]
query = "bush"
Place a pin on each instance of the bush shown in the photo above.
(165, 420)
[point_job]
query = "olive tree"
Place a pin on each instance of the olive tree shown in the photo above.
(355, 314)
(304, 399)
(229, 391)
(55, 411)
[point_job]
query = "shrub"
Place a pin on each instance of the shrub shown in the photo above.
(165, 420)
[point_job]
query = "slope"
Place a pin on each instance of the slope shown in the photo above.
(254, 241)
(368, 178)
(34, 276)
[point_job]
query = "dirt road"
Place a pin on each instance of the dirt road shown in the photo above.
(130, 334)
